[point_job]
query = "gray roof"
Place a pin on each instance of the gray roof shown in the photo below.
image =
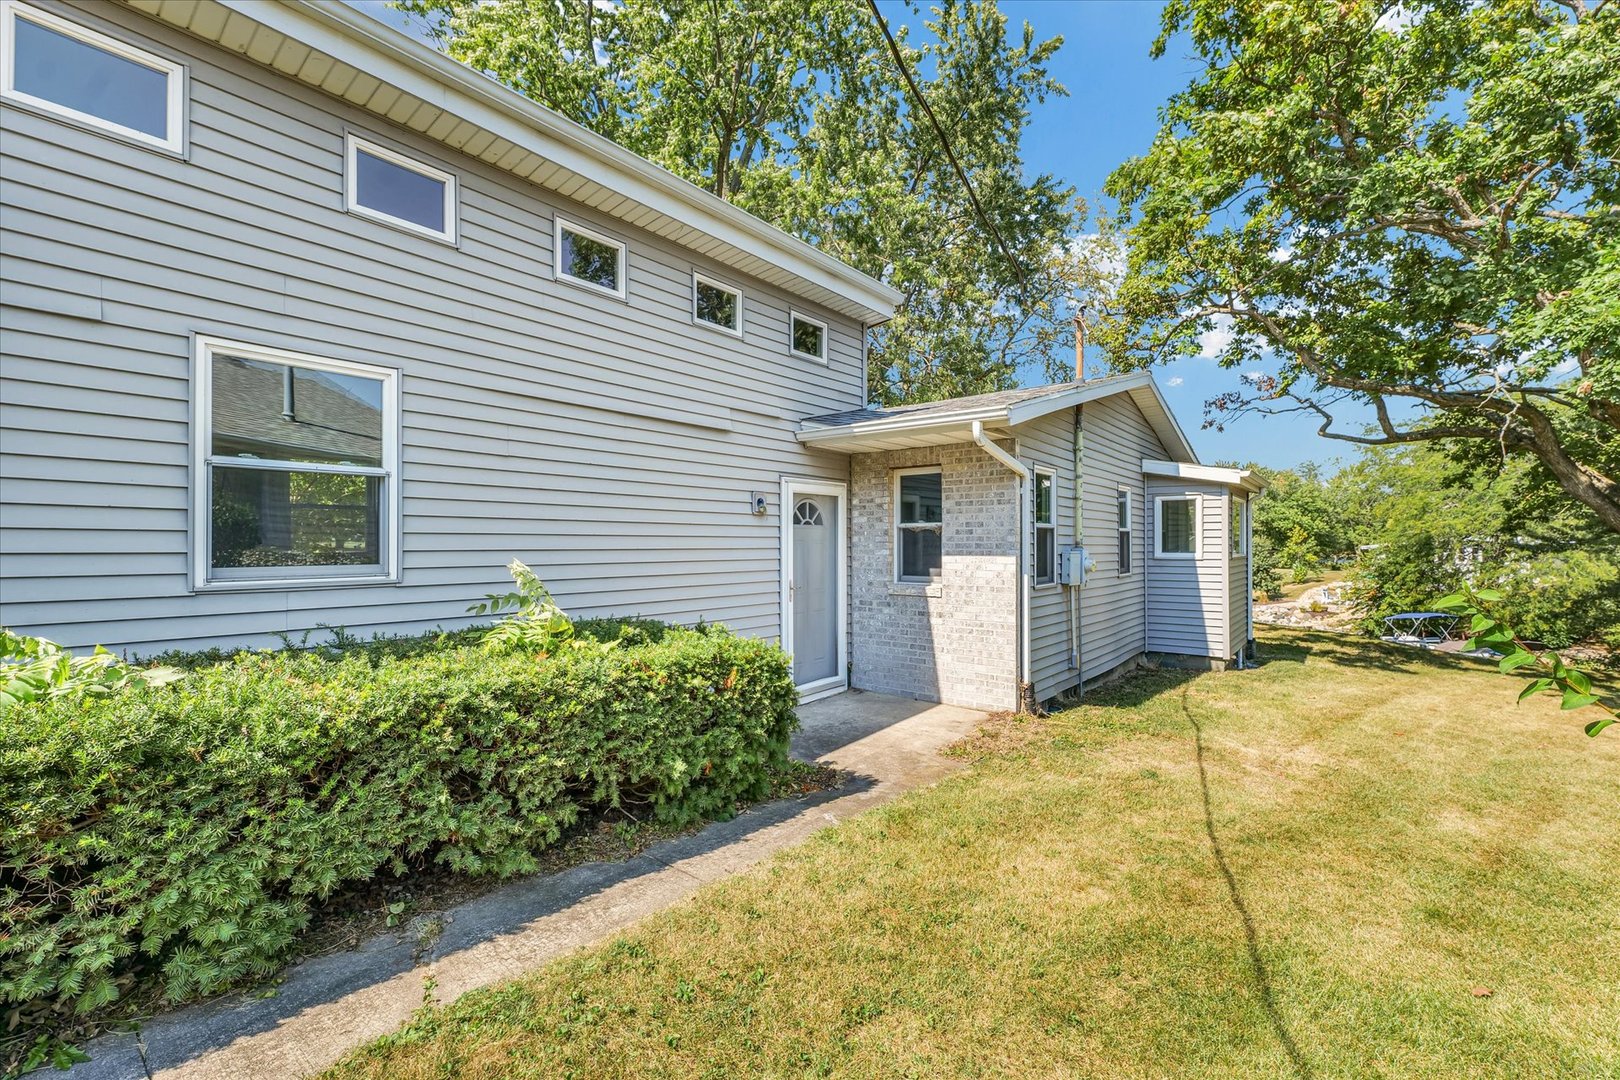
(998, 400)
(932, 423)
(330, 422)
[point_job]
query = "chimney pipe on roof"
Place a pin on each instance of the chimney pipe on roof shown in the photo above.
(1080, 344)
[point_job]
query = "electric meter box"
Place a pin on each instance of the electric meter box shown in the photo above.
(1072, 566)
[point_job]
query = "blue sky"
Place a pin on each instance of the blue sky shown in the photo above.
(1111, 113)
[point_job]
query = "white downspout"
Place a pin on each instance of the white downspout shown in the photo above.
(1017, 468)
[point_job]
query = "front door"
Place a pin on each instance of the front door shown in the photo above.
(814, 624)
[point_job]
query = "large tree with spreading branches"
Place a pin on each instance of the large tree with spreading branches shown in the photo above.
(797, 111)
(1404, 220)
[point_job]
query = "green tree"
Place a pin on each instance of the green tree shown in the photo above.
(1439, 528)
(1408, 211)
(794, 110)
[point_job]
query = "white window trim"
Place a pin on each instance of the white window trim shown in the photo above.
(202, 578)
(826, 337)
(896, 526)
(724, 286)
(1129, 530)
(1198, 527)
(1036, 526)
(353, 144)
(1238, 542)
(559, 224)
(175, 73)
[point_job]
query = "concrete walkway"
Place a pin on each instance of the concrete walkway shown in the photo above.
(329, 1005)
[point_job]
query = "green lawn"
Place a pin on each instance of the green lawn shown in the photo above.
(1305, 869)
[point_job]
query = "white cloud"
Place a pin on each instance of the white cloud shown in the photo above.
(1396, 19)
(1212, 342)
(1174, 380)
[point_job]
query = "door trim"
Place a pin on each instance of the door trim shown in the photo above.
(792, 488)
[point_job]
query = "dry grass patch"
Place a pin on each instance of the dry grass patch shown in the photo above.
(1299, 870)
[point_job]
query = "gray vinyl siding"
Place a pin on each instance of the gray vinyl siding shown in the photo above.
(611, 444)
(1048, 443)
(1113, 605)
(1112, 629)
(1188, 600)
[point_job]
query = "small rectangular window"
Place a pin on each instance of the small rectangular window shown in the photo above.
(73, 71)
(1122, 511)
(1239, 518)
(716, 304)
(392, 188)
(1178, 527)
(919, 524)
(589, 258)
(299, 459)
(808, 337)
(1045, 527)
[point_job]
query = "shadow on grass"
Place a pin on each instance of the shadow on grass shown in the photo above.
(1262, 976)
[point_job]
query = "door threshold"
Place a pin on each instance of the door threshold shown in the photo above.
(815, 691)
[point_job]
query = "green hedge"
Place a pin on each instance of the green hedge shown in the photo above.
(178, 836)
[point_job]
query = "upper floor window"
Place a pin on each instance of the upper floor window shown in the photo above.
(585, 257)
(716, 304)
(1123, 527)
(1238, 525)
(73, 71)
(392, 188)
(1045, 510)
(1178, 527)
(297, 467)
(919, 521)
(807, 336)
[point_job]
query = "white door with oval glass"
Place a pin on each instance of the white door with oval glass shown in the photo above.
(813, 562)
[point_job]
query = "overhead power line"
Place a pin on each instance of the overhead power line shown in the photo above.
(939, 133)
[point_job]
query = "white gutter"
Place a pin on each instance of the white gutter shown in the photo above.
(1025, 593)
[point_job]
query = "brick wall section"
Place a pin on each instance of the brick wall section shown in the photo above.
(956, 641)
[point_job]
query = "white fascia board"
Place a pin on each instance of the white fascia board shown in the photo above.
(357, 39)
(1209, 474)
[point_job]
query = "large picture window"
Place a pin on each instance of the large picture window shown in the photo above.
(297, 460)
(1177, 536)
(1045, 527)
(919, 502)
(53, 64)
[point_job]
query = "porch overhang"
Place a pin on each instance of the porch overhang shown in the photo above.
(1242, 479)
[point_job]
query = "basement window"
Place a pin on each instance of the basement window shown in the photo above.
(1045, 527)
(297, 466)
(61, 67)
(1179, 525)
(396, 190)
(589, 258)
(919, 524)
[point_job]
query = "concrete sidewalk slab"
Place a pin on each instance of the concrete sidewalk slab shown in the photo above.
(329, 1005)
